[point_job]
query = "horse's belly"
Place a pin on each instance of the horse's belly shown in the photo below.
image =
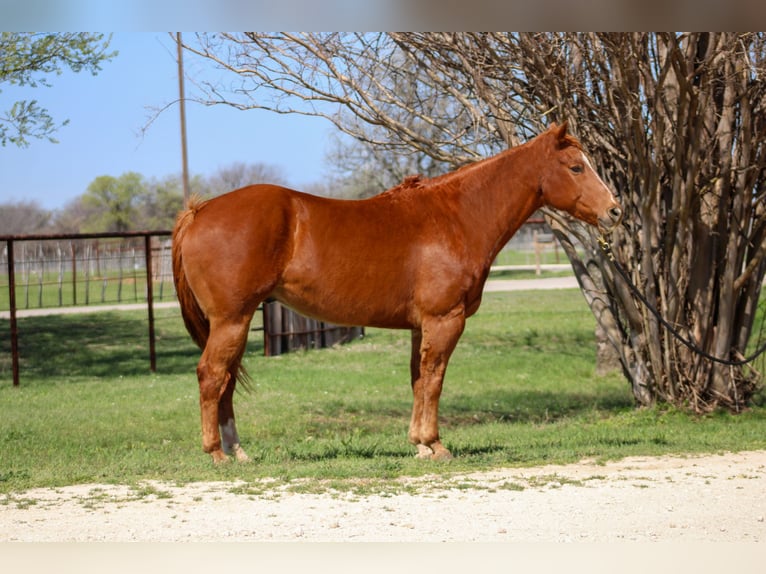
(349, 303)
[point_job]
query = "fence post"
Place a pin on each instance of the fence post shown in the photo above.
(150, 301)
(12, 304)
(74, 272)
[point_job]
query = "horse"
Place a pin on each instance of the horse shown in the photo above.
(413, 257)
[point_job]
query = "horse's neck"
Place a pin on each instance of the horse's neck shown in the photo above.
(498, 196)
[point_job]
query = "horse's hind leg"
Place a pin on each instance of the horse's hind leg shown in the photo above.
(229, 436)
(216, 373)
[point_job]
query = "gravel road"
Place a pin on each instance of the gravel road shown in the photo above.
(717, 498)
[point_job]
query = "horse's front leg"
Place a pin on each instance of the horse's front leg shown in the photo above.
(417, 396)
(437, 339)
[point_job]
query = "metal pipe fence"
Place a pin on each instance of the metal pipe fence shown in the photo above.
(45, 271)
(67, 270)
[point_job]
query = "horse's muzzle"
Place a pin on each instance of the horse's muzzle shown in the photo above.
(611, 219)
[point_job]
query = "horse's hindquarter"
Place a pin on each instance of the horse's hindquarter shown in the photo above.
(372, 262)
(236, 248)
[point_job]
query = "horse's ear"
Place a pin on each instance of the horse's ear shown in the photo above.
(560, 130)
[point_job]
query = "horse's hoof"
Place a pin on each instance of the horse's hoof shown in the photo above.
(219, 457)
(442, 454)
(240, 454)
(424, 452)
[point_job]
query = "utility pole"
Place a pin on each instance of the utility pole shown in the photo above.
(182, 101)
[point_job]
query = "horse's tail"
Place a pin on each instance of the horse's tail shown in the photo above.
(196, 322)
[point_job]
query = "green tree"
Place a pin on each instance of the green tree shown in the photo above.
(160, 202)
(113, 201)
(29, 59)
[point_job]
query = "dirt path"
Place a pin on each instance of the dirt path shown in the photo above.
(713, 498)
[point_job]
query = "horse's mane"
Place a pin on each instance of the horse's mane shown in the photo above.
(412, 182)
(408, 183)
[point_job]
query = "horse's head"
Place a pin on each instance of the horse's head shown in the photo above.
(570, 184)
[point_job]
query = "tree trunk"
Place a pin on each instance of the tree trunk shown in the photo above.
(693, 228)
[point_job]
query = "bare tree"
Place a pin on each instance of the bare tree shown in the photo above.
(75, 216)
(239, 174)
(359, 169)
(21, 217)
(356, 81)
(675, 122)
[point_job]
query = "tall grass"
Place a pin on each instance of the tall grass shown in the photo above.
(520, 390)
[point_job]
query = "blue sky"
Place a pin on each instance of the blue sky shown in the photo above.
(106, 113)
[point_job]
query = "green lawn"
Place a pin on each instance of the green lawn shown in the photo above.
(520, 390)
(548, 255)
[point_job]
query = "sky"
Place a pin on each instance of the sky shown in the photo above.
(106, 113)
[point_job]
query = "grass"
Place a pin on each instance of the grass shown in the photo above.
(520, 390)
(548, 255)
(529, 274)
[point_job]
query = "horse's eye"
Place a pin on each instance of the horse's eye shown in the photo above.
(576, 168)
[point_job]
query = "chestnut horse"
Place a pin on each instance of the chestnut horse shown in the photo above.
(414, 257)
